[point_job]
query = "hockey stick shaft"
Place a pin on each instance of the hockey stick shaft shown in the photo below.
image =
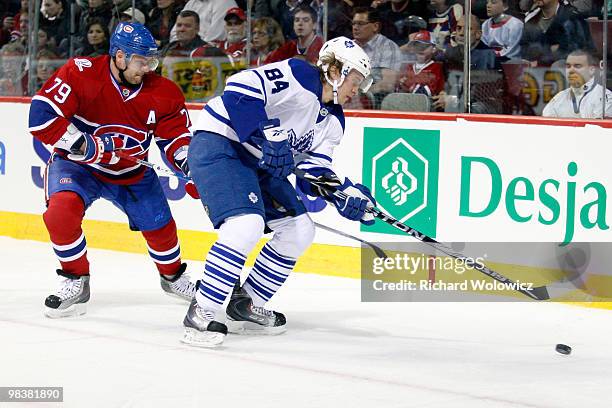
(539, 293)
(156, 167)
(379, 252)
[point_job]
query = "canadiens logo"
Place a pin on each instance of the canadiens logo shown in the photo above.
(65, 180)
(135, 141)
(128, 28)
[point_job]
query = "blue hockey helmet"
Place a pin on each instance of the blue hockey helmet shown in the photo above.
(134, 39)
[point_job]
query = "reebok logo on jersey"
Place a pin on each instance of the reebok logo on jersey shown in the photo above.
(65, 180)
(82, 63)
(253, 197)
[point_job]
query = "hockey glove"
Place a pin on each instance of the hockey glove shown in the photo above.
(357, 201)
(180, 160)
(90, 149)
(277, 157)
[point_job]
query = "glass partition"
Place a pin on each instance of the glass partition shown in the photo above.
(511, 57)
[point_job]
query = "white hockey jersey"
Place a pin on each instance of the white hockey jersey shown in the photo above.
(586, 105)
(503, 37)
(289, 91)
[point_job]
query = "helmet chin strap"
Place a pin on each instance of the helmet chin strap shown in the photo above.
(335, 85)
(122, 79)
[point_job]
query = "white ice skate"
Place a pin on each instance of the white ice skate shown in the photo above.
(71, 296)
(180, 286)
(201, 328)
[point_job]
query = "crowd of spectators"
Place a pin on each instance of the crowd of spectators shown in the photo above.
(415, 46)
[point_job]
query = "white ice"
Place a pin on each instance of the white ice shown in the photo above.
(338, 351)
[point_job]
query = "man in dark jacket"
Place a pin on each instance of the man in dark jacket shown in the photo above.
(552, 30)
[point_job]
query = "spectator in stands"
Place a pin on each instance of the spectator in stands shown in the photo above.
(551, 31)
(21, 34)
(162, 18)
(44, 43)
(132, 14)
(502, 32)
(22, 10)
(187, 28)
(267, 36)
(234, 45)
(280, 11)
(8, 25)
(99, 10)
(443, 21)
(482, 57)
(487, 98)
(211, 13)
(393, 14)
(385, 56)
(122, 11)
(13, 79)
(583, 99)
(307, 44)
(97, 40)
(55, 21)
(425, 76)
(117, 7)
(47, 62)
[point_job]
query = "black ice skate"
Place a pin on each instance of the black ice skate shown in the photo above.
(71, 296)
(244, 318)
(180, 286)
(201, 328)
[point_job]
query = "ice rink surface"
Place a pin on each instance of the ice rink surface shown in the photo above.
(337, 352)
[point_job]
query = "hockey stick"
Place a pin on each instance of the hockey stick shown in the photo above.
(537, 293)
(156, 167)
(379, 252)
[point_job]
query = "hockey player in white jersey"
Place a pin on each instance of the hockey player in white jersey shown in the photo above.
(584, 97)
(247, 141)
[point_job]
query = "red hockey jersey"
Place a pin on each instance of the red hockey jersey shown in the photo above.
(84, 92)
(427, 79)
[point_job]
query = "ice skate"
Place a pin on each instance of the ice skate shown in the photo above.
(201, 328)
(244, 318)
(179, 286)
(71, 296)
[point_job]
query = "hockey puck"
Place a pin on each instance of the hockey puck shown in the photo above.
(563, 349)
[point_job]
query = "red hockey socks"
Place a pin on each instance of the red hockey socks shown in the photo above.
(65, 212)
(164, 248)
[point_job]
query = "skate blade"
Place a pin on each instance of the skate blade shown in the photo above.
(253, 329)
(78, 309)
(197, 338)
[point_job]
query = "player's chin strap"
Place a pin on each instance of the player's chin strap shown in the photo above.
(122, 77)
(335, 85)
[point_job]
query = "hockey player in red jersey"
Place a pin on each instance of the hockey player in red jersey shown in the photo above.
(95, 112)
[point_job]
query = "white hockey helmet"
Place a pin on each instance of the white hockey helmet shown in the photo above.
(351, 56)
